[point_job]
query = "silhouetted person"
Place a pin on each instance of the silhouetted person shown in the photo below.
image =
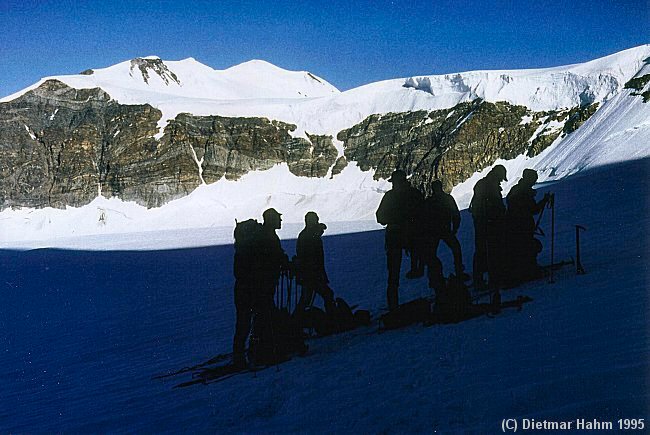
(398, 210)
(257, 269)
(441, 222)
(522, 245)
(416, 244)
(272, 258)
(488, 213)
(310, 263)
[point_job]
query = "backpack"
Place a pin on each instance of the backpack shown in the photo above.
(342, 315)
(276, 339)
(452, 301)
(247, 241)
(415, 311)
(337, 317)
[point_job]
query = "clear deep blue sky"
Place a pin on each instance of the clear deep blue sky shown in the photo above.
(349, 43)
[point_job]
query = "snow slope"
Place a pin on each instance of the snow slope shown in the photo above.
(210, 209)
(619, 131)
(83, 332)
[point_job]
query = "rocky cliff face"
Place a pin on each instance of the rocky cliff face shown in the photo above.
(638, 84)
(61, 146)
(232, 147)
(148, 67)
(454, 143)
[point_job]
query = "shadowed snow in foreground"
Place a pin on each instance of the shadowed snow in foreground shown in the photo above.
(84, 331)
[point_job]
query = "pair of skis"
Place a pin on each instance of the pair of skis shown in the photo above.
(210, 371)
(210, 375)
(214, 360)
(475, 310)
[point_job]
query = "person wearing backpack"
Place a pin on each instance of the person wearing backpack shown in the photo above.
(399, 210)
(259, 259)
(269, 341)
(488, 214)
(310, 263)
(522, 244)
(271, 257)
(247, 237)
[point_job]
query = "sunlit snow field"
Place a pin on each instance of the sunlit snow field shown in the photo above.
(84, 331)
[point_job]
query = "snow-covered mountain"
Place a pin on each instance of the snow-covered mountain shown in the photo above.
(152, 80)
(618, 130)
(189, 86)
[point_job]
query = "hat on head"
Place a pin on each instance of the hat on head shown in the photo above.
(311, 217)
(397, 175)
(530, 175)
(270, 212)
(500, 171)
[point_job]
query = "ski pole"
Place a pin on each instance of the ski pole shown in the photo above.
(538, 229)
(285, 291)
(552, 199)
(579, 269)
(289, 290)
(282, 300)
(296, 294)
(273, 344)
(312, 299)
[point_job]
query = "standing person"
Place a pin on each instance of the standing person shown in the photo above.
(259, 258)
(310, 263)
(272, 258)
(488, 214)
(247, 235)
(442, 220)
(399, 211)
(523, 247)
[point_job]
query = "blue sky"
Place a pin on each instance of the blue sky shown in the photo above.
(349, 43)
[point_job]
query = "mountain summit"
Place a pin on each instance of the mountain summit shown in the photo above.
(151, 80)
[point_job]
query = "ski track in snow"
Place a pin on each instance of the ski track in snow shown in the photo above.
(85, 330)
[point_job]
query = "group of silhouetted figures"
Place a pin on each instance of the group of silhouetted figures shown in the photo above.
(505, 254)
(505, 247)
(259, 263)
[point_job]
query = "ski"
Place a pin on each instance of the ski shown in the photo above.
(546, 269)
(478, 310)
(215, 359)
(220, 373)
(559, 265)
